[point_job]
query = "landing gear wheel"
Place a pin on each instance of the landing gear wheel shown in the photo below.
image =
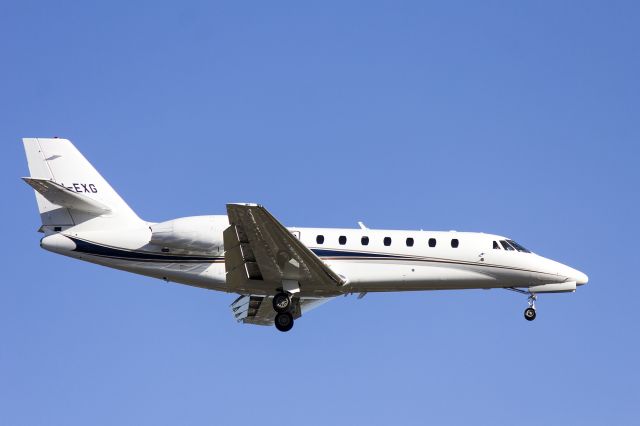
(281, 302)
(284, 321)
(529, 314)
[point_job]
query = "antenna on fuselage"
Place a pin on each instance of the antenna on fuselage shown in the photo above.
(362, 226)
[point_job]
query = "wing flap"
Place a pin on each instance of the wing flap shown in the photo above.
(258, 310)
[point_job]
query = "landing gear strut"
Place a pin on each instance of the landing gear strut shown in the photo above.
(530, 312)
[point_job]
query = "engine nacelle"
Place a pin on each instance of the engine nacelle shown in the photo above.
(194, 233)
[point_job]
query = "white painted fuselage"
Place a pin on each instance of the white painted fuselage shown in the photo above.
(391, 260)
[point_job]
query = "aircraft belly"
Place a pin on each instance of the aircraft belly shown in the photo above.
(412, 275)
(204, 275)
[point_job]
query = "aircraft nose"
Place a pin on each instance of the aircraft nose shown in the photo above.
(574, 275)
(581, 278)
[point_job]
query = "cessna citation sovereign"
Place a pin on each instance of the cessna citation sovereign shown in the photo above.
(279, 273)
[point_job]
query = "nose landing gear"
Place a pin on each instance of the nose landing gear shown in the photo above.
(530, 312)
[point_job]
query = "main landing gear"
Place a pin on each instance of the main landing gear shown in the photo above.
(283, 304)
(284, 321)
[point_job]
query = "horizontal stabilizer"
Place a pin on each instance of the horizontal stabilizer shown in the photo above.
(61, 196)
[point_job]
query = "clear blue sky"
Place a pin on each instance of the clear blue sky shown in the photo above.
(518, 118)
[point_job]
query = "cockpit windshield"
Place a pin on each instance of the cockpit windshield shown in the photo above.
(518, 246)
(506, 245)
(510, 245)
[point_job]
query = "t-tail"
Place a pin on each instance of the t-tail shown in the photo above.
(69, 190)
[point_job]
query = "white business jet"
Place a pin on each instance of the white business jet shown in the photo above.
(278, 272)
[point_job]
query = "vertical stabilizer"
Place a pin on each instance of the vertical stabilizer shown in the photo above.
(62, 173)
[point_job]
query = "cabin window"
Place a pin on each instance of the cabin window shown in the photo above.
(342, 240)
(409, 242)
(506, 246)
(432, 242)
(364, 241)
(496, 246)
(455, 243)
(320, 239)
(387, 241)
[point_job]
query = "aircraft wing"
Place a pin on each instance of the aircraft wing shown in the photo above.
(260, 253)
(256, 309)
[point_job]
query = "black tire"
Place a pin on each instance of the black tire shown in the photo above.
(529, 314)
(281, 302)
(284, 321)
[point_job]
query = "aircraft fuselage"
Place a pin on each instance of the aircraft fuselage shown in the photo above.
(372, 260)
